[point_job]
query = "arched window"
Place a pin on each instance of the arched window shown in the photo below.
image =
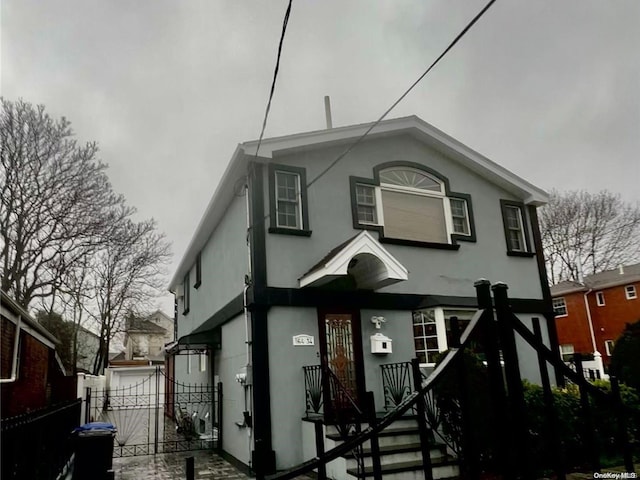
(412, 204)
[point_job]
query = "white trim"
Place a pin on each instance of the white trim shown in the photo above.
(630, 288)
(564, 302)
(608, 347)
(277, 199)
(418, 128)
(338, 265)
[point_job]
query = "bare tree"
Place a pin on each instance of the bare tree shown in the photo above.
(589, 233)
(127, 274)
(56, 203)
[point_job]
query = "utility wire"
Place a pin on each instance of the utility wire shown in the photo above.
(275, 75)
(241, 181)
(382, 117)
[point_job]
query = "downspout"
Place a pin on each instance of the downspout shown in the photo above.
(586, 307)
(14, 362)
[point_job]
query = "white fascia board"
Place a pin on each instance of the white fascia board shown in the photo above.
(419, 129)
(339, 264)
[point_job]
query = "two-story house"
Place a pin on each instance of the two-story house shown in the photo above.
(591, 315)
(145, 338)
(304, 251)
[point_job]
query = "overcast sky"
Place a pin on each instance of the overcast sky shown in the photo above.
(549, 89)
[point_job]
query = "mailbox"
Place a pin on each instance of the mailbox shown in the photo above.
(381, 344)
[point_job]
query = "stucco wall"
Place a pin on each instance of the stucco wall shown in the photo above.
(224, 265)
(431, 271)
(229, 361)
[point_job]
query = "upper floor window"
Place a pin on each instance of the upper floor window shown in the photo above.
(515, 228)
(560, 307)
(198, 270)
(187, 297)
(288, 200)
(600, 299)
(630, 292)
(410, 203)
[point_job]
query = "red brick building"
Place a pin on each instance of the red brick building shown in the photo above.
(590, 316)
(31, 372)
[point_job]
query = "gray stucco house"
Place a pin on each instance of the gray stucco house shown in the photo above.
(323, 252)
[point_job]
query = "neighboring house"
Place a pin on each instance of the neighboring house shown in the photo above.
(145, 338)
(590, 316)
(393, 235)
(32, 374)
(88, 345)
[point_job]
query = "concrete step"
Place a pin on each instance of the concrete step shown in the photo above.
(399, 453)
(443, 468)
(389, 436)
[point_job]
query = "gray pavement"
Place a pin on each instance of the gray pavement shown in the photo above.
(172, 466)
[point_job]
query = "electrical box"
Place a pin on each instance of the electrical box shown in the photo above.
(381, 344)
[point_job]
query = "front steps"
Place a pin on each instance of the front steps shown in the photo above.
(400, 455)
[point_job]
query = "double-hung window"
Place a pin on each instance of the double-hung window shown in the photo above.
(560, 307)
(366, 204)
(287, 187)
(630, 292)
(515, 228)
(566, 352)
(410, 203)
(288, 206)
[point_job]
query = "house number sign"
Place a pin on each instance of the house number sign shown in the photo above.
(303, 340)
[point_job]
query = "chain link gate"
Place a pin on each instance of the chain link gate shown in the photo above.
(158, 414)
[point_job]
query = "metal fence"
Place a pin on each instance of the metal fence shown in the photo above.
(38, 445)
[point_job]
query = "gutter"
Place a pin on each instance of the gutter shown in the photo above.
(586, 306)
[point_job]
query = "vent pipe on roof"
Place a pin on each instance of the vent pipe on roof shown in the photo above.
(621, 269)
(327, 111)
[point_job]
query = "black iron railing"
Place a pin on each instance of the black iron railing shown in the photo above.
(38, 444)
(397, 383)
(480, 409)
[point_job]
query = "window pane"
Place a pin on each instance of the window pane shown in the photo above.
(512, 216)
(287, 214)
(287, 186)
(432, 343)
(408, 177)
(515, 240)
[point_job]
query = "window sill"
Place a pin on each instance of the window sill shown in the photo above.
(290, 231)
(521, 254)
(416, 243)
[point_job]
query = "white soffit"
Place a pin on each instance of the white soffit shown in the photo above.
(338, 264)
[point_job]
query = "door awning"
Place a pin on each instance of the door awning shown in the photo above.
(209, 339)
(363, 259)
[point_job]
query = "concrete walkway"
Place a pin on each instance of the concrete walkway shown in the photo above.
(172, 466)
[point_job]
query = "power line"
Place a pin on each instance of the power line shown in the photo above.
(275, 74)
(382, 117)
(424, 74)
(241, 181)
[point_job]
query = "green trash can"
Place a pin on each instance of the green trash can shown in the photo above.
(94, 450)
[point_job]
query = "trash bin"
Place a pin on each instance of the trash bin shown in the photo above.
(94, 450)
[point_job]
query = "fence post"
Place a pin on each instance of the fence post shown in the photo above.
(623, 437)
(322, 467)
(469, 453)
(517, 408)
(587, 421)
(87, 408)
(423, 429)
(555, 446)
(375, 446)
(157, 416)
(496, 379)
(219, 415)
(190, 468)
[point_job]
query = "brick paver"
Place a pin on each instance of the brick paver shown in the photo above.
(172, 466)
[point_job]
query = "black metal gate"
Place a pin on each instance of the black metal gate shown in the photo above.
(158, 414)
